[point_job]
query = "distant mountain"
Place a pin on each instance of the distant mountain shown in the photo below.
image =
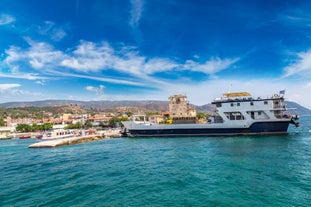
(151, 105)
(294, 108)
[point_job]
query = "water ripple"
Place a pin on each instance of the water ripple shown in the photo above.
(215, 171)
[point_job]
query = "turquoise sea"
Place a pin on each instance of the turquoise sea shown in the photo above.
(205, 171)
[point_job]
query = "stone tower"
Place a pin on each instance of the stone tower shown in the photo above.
(180, 111)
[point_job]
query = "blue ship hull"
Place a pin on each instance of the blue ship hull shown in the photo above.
(258, 128)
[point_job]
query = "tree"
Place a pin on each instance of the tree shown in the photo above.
(35, 127)
(114, 121)
(88, 124)
(77, 125)
(2, 122)
(201, 115)
(23, 128)
(46, 126)
(129, 114)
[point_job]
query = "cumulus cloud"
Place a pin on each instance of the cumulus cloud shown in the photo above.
(301, 67)
(89, 56)
(6, 19)
(38, 55)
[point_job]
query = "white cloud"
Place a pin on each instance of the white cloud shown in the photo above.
(97, 57)
(6, 19)
(212, 66)
(136, 11)
(12, 92)
(95, 89)
(50, 29)
(38, 55)
(90, 57)
(28, 76)
(98, 78)
(295, 17)
(98, 90)
(158, 65)
(8, 86)
(40, 82)
(301, 67)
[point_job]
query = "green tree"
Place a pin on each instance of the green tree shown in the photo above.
(88, 124)
(23, 128)
(46, 126)
(201, 115)
(114, 121)
(35, 127)
(2, 122)
(77, 125)
(129, 114)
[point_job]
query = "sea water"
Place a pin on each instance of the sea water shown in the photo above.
(205, 171)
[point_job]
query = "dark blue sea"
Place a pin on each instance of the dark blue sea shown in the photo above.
(205, 171)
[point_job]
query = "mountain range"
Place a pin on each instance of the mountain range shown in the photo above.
(151, 105)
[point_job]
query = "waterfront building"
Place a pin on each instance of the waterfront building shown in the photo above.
(180, 111)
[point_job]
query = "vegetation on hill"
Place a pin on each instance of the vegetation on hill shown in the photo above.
(142, 107)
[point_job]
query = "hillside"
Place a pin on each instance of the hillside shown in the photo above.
(149, 105)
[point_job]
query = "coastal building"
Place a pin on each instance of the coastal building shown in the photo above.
(180, 111)
(66, 117)
(96, 119)
(156, 119)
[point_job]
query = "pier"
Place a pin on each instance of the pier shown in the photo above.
(75, 140)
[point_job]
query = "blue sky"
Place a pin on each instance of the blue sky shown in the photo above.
(139, 49)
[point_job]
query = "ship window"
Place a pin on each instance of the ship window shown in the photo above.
(218, 104)
(238, 104)
(232, 104)
(265, 102)
(259, 113)
(234, 116)
(252, 103)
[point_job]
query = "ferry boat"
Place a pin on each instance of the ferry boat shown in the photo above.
(237, 113)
